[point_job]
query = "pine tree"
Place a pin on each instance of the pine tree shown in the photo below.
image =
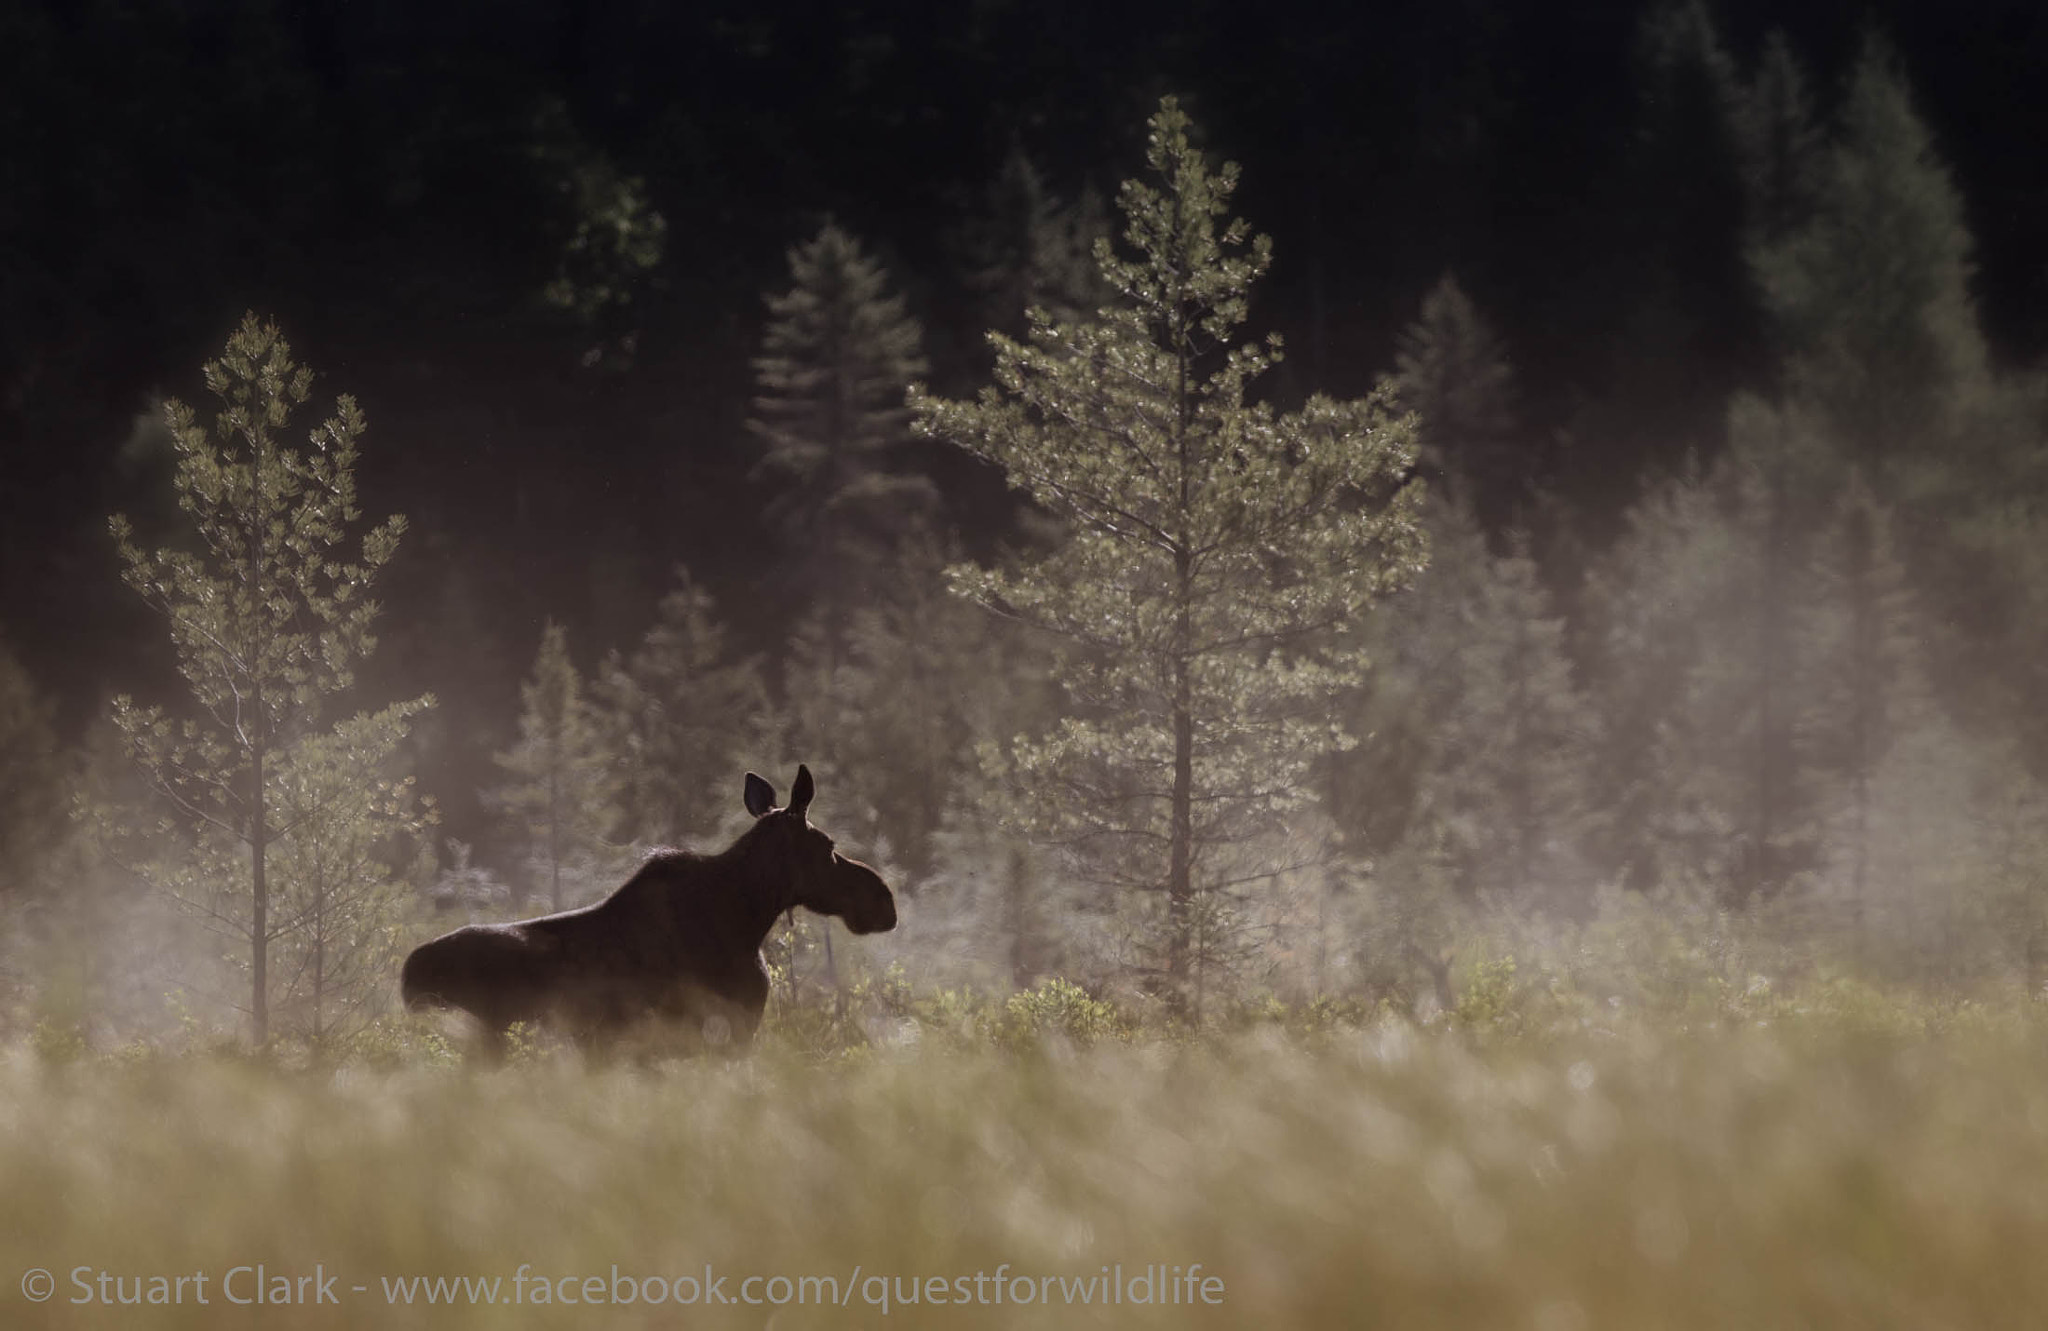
(1782, 148)
(345, 802)
(678, 713)
(267, 622)
(1701, 669)
(1511, 758)
(893, 715)
(1869, 705)
(992, 901)
(1215, 547)
(1452, 371)
(837, 356)
(1988, 567)
(1945, 893)
(1860, 248)
(1668, 600)
(1871, 296)
(1030, 250)
(1480, 741)
(564, 786)
(925, 657)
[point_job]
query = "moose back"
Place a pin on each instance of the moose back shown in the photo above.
(680, 942)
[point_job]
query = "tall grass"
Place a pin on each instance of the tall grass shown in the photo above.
(1817, 1169)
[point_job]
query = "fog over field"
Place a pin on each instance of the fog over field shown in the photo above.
(1015, 663)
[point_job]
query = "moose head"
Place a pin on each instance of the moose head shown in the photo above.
(817, 876)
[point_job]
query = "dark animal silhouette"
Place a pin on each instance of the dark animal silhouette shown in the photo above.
(679, 943)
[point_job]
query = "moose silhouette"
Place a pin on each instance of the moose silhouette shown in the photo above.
(679, 943)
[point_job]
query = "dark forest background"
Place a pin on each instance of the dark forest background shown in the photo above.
(534, 240)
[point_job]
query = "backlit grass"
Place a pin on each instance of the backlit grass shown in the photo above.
(1809, 1172)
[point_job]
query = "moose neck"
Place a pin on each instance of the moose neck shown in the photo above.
(770, 889)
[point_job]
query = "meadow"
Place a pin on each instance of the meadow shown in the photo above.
(1843, 1159)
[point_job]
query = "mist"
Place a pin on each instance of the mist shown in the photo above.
(1477, 569)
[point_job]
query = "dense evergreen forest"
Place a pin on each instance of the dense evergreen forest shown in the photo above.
(1602, 484)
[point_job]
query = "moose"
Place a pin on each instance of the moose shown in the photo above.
(679, 943)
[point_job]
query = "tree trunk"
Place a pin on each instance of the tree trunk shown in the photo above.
(555, 831)
(319, 959)
(259, 902)
(1180, 891)
(258, 740)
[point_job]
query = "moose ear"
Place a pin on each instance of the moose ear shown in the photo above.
(760, 795)
(800, 793)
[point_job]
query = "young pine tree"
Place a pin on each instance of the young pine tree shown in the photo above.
(1701, 670)
(344, 801)
(891, 716)
(1933, 850)
(1214, 548)
(1481, 743)
(678, 712)
(267, 611)
(563, 790)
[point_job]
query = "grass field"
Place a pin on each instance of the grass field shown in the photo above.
(1809, 1172)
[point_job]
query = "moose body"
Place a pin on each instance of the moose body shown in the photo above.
(679, 943)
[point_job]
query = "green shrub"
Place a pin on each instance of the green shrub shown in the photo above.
(1059, 1009)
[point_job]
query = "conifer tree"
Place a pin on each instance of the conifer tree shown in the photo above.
(677, 712)
(837, 356)
(564, 786)
(1214, 548)
(1452, 371)
(345, 801)
(1511, 758)
(1871, 295)
(1480, 740)
(1030, 249)
(268, 615)
(1782, 148)
(1859, 247)
(1667, 601)
(893, 716)
(1869, 710)
(1863, 257)
(1704, 673)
